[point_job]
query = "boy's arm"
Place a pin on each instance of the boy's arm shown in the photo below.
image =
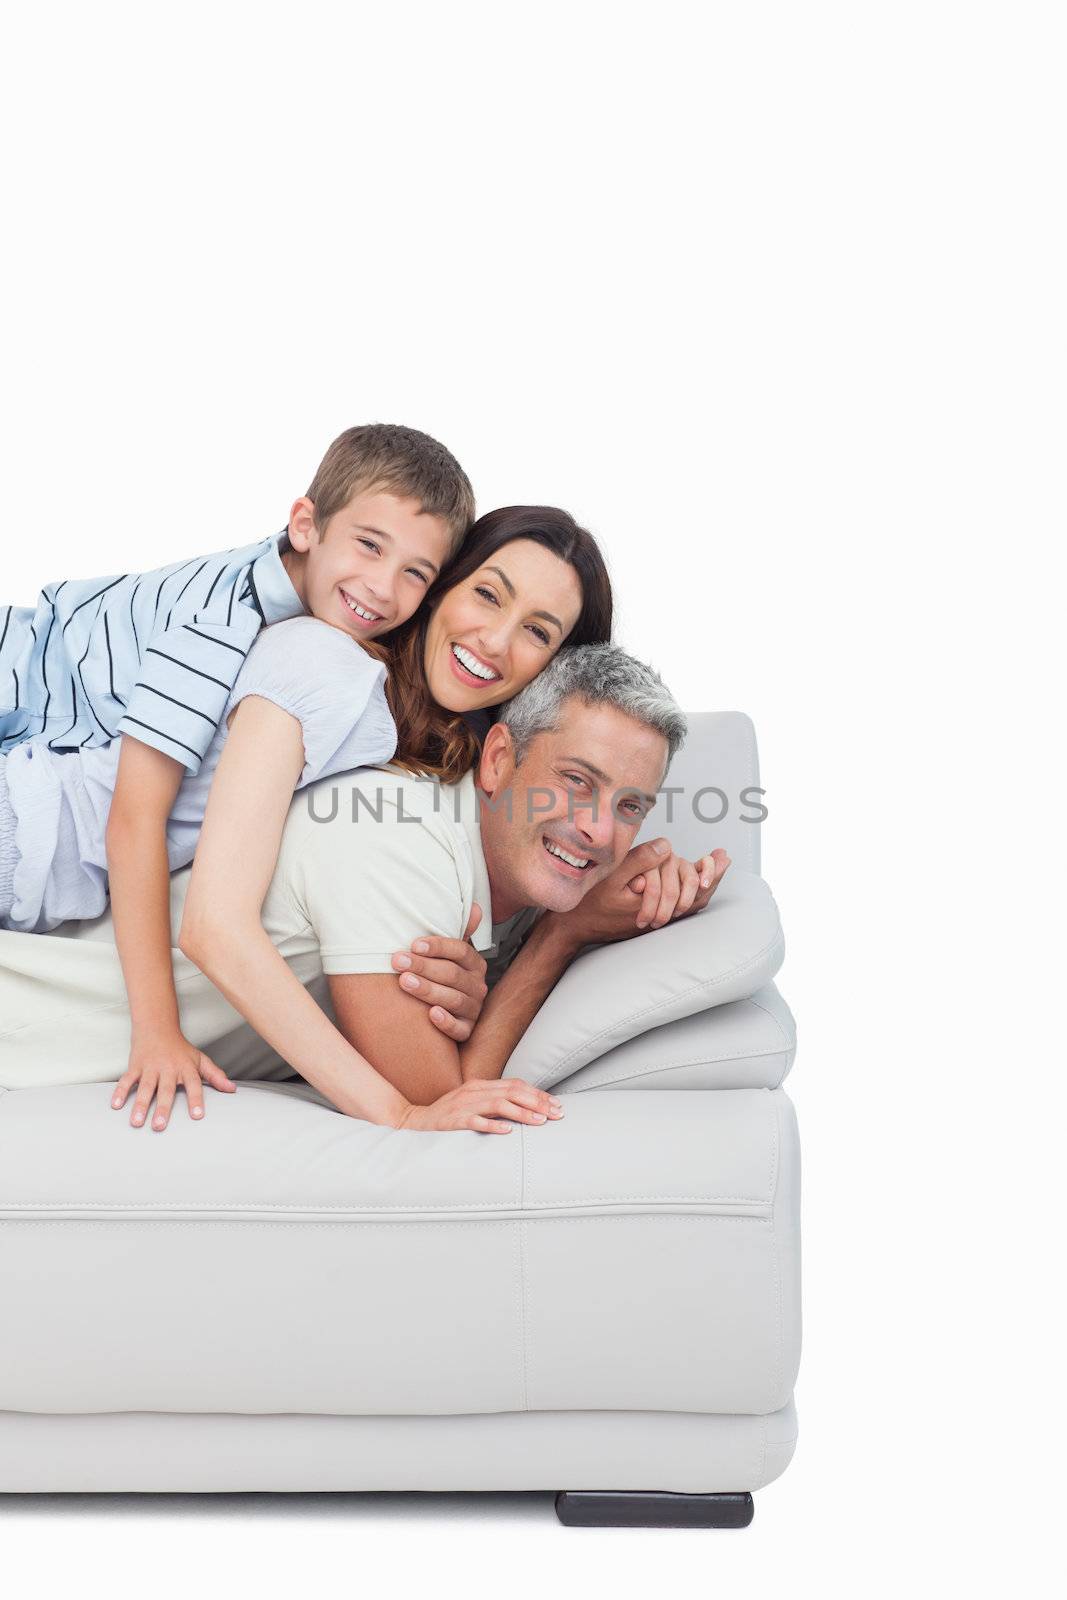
(139, 877)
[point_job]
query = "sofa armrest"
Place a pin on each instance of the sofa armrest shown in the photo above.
(745, 1044)
(616, 992)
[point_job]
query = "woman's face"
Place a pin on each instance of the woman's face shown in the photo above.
(492, 633)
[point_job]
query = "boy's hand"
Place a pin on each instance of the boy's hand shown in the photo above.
(160, 1062)
(448, 975)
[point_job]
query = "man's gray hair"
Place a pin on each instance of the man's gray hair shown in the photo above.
(604, 675)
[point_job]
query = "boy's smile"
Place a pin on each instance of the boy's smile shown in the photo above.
(369, 568)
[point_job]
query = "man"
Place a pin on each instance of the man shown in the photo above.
(370, 862)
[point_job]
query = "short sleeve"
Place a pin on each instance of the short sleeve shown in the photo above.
(366, 877)
(334, 689)
(184, 682)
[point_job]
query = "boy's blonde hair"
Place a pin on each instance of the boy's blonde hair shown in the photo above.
(383, 455)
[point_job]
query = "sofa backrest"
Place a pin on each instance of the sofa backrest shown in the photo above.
(715, 770)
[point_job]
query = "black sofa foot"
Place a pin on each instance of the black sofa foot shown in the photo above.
(586, 1509)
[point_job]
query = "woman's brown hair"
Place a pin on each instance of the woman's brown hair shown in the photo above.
(439, 742)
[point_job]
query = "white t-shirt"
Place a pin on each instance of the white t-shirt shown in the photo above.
(372, 860)
(321, 676)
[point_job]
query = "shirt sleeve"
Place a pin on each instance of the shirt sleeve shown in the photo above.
(334, 689)
(184, 682)
(365, 881)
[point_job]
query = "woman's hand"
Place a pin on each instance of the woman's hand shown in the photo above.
(160, 1062)
(483, 1104)
(448, 975)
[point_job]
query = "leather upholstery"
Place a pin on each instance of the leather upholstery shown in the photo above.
(747, 1044)
(638, 1253)
(155, 1451)
(615, 992)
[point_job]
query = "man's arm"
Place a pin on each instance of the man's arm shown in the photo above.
(394, 1030)
(618, 908)
(548, 951)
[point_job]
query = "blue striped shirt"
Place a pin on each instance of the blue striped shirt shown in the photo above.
(152, 654)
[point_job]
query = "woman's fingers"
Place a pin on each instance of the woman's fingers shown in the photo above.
(487, 1125)
(508, 1099)
(524, 1094)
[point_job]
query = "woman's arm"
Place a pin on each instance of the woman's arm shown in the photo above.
(139, 879)
(222, 932)
(221, 929)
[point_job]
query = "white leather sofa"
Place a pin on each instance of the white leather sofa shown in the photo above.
(285, 1298)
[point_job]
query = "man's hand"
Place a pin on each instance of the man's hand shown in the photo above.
(677, 887)
(649, 888)
(160, 1063)
(486, 1106)
(448, 975)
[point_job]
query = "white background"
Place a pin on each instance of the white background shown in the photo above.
(772, 297)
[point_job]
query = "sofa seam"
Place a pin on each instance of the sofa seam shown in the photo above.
(775, 1252)
(524, 1372)
(675, 1066)
(790, 1044)
(357, 1211)
(481, 1222)
(762, 1468)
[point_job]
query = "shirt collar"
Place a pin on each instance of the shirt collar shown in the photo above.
(465, 808)
(461, 803)
(272, 585)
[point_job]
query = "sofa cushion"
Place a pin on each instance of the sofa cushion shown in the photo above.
(639, 1254)
(747, 1044)
(615, 992)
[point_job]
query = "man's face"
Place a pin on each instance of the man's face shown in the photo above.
(577, 800)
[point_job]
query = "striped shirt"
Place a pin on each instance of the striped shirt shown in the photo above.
(152, 654)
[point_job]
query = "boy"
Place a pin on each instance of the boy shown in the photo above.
(104, 656)
(154, 658)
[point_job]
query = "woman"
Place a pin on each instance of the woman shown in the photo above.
(527, 580)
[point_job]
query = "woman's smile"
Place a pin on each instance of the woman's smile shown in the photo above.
(472, 668)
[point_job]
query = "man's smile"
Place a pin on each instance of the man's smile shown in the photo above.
(566, 861)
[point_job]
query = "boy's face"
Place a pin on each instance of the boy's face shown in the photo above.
(372, 566)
